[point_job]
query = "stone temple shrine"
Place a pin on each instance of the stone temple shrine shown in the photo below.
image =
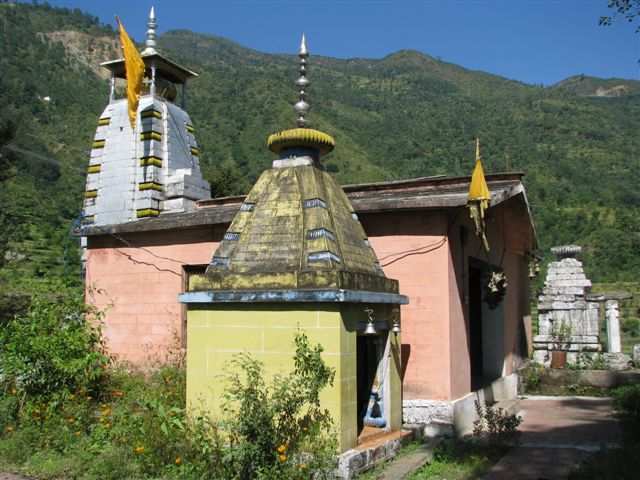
(152, 168)
(567, 318)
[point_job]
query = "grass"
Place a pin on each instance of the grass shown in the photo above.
(377, 471)
(455, 460)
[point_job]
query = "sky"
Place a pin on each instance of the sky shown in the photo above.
(534, 41)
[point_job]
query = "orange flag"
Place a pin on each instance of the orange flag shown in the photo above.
(134, 69)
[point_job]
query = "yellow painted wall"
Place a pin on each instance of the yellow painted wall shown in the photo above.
(215, 333)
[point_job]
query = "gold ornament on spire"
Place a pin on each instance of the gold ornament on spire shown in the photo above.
(303, 136)
(479, 198)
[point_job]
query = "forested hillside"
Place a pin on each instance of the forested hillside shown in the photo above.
(402, 116)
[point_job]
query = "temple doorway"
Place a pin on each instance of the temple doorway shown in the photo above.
(372, 381)
(486, 329)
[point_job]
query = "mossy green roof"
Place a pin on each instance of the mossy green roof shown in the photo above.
(295, 229)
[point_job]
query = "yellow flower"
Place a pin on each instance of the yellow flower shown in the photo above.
(13, 391)
(71, 420)
(139, 450)
(282, 448)
(9, 429)
(178, 461)
(302, 466)
(282, 457)
(77, 434)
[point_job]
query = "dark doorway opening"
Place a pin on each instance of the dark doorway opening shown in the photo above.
(370, 385)
(486, 328)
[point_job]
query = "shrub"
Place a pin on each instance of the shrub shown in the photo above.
(55, 347)
(280, 430)
(495, 424)
(627, 404)
(64, 413)
(531, 377)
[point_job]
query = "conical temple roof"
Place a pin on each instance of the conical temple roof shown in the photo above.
(296, 229)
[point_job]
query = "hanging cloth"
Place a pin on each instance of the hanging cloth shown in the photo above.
(479, 198)
(134, 69)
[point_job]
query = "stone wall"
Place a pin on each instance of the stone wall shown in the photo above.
(567, 320)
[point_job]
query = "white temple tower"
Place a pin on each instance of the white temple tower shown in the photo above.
(154, 168)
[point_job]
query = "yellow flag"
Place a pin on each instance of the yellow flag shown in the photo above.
(478, 190)
(479, 197)
(134, 68)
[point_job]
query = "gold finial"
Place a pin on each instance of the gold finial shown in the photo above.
(477, 148)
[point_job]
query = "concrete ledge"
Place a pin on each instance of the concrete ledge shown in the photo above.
(280, 296)
(459, 413)
(357, 460)
(590, 378)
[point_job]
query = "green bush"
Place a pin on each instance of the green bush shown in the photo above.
(627, 405)
(65, 413)
(495, 424)
(54, 347)
(531, 377)
(280, 430)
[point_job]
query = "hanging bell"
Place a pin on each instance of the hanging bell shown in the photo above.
(396, 327)
(370, 329)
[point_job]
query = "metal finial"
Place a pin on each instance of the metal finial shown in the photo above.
(150, 42)
(477, 148)
(302, 107)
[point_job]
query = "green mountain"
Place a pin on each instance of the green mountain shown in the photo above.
(404, 115)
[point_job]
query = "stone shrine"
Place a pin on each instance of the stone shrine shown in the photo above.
(567, 319)
(154, 167)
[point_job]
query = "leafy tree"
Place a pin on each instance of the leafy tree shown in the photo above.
(627, 9)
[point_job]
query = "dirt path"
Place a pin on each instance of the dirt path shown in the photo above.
(557, 434)
(11, 476)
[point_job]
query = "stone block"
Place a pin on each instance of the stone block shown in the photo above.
(636, 354)
(542, 357)
(572, 283)
(617, 361)
(438, 429)
(553, 290)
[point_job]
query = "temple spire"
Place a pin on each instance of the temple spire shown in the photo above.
(150, 41)
(301, 145)
(302, 107)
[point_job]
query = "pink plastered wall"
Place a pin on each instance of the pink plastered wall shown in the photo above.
(510, 237)
(136, 283)
(412, 248)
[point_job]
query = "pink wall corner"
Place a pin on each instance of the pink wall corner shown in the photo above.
(460, 350)
(509, 237)
(412, 248)
(136, 285)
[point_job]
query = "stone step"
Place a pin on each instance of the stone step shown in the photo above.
(511, 407)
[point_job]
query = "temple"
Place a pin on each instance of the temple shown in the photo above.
(152, 168)
(295, 258)
(418, 293)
